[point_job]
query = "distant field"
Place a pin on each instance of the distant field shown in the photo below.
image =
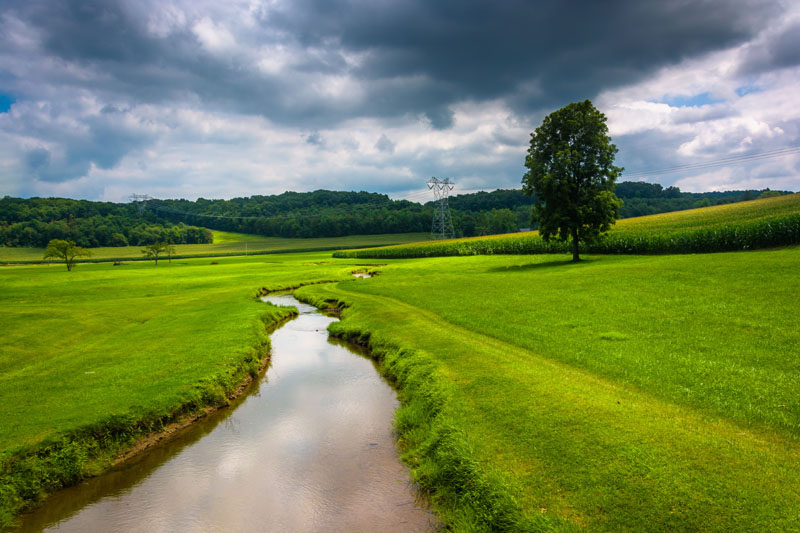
(711, 217)
(757, 224)
(230, 244)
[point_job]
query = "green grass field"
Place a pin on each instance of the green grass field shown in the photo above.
(625, 392)
(136, 341)
(657, 393)
(85, 343)
(229, 244)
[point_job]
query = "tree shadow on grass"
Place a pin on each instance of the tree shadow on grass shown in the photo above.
(566, 263)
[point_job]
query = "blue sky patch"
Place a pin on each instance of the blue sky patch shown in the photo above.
(691, 101)
(747, 89)
(5, 102)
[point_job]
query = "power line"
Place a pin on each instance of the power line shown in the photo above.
(140, 200)
(417, 195)
(718, 162)
(442, 227)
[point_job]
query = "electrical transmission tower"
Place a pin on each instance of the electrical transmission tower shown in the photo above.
(141, 200)
(442, 223)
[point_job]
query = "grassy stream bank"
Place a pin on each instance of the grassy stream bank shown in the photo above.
(97, 359)
(538, 408)
(653, 393)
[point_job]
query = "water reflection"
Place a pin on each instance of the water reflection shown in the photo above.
(311, 451)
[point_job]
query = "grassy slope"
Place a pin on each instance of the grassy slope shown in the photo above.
(710, 217)
(653, 227)
(231, 244)
(643, 393)
(102, 339)
(138, 341)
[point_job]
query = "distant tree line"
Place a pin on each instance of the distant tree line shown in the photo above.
(508, 210)
(314, 214)
(36, 221)
(641, 198)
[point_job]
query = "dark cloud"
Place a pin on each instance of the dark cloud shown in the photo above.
(781, 50)
(315, 139)
(37, 158)
(693, 115)
(91, 30)
(384, 144)
(417, 57)
(441, 118)
(484, 50)
(785, 49)
(101, 140)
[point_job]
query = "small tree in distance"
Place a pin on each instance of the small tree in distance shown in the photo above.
(152, 251)
(66, 250)
(169, 249)
(572, 174)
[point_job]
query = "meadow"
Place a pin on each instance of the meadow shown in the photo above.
(624, 392)
(757, 224)
(94, 358)
(655, 393)
(225, 244)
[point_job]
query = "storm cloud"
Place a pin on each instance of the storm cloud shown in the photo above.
(136, 93)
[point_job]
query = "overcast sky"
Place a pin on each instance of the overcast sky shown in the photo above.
(100, 99)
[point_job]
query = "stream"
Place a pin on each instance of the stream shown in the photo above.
(310, 448)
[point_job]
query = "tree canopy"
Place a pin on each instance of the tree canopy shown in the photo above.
(152, 251)
(571, 173)
(66, 250)
(37, 221)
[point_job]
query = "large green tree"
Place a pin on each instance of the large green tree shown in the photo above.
(571, 172)
(66, 250)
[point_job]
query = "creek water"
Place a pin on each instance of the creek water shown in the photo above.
(310, 448)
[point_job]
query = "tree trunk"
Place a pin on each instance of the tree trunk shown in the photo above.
(575, 256)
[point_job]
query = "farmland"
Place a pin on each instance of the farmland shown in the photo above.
(624, 392)
(225, 244)
(749, 225)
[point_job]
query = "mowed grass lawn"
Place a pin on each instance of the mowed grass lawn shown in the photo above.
(102, 340)
(231, 244)
(640, 393)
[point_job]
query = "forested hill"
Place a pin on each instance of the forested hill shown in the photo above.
(34, 221)
(641, 198)
(291, 214)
